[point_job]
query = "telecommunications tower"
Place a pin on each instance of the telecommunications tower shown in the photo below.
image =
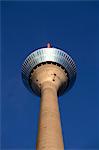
(49, 72)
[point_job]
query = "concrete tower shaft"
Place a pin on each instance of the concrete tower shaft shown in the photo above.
(49, 130)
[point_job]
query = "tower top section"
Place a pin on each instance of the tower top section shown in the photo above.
(49, 55)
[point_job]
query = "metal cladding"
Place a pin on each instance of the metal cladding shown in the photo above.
(53, 55)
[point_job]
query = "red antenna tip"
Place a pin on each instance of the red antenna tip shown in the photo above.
(48, 45)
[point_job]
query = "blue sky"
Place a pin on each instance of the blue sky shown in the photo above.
(71, 26)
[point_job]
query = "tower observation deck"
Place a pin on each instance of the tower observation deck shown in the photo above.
(49, 72)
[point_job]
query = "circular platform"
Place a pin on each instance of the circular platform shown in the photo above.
(49, 55)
